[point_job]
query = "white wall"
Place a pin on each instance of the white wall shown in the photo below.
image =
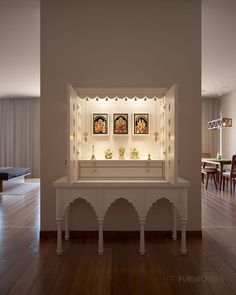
(119, 44)
(228, 110)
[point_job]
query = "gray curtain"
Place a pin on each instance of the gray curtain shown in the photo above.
(210, 138)
(20, 133)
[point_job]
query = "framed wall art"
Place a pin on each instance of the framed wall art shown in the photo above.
(120, 123)
(100, 124)
(141, 124)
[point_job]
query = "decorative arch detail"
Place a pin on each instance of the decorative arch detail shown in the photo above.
(74, 199)
(141, 200)
(155, 200)
(108, 206)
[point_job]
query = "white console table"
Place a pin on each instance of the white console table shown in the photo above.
(100, 194)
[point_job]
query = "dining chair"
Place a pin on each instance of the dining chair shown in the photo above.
(230, 176)
(214, 173)
(209, 171)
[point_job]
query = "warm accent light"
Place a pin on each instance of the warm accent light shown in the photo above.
(106, 97)
(220, 123)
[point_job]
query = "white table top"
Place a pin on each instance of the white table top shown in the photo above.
(62, 182)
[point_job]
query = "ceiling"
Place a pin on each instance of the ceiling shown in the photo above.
(20, 47)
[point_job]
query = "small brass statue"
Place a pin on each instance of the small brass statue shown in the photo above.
(108, 154)
(134, 154)
(121, 153)
(149, 157)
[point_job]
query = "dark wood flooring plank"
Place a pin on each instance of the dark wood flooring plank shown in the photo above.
(69, 267)
(93, 274)
(14, 272)
(158, 280)
(209, 279)
(137, 269)
(25, 244)
(33, 270)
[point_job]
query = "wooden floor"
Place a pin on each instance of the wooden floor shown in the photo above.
(28, 266)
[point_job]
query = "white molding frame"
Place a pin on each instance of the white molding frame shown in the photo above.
(121, 92)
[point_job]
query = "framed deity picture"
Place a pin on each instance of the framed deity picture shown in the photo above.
(120, 124)
(141, 124)
(100, 124)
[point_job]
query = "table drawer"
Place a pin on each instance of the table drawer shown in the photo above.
(125, 170)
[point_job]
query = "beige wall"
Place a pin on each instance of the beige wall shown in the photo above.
(228, 109)
(122, 43)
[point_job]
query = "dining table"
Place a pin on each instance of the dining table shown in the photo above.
(218, 162)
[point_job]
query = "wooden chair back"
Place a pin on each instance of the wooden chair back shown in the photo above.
(233, 167)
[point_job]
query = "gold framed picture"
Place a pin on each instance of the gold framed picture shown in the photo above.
(120, 123)
(141, 124)
(100, 124)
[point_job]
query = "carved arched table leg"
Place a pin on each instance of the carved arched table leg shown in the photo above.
(59, 236)
(174, 229)
(142, 237)
(67, 232)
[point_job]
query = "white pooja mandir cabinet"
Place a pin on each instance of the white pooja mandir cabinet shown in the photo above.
(141, 182)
